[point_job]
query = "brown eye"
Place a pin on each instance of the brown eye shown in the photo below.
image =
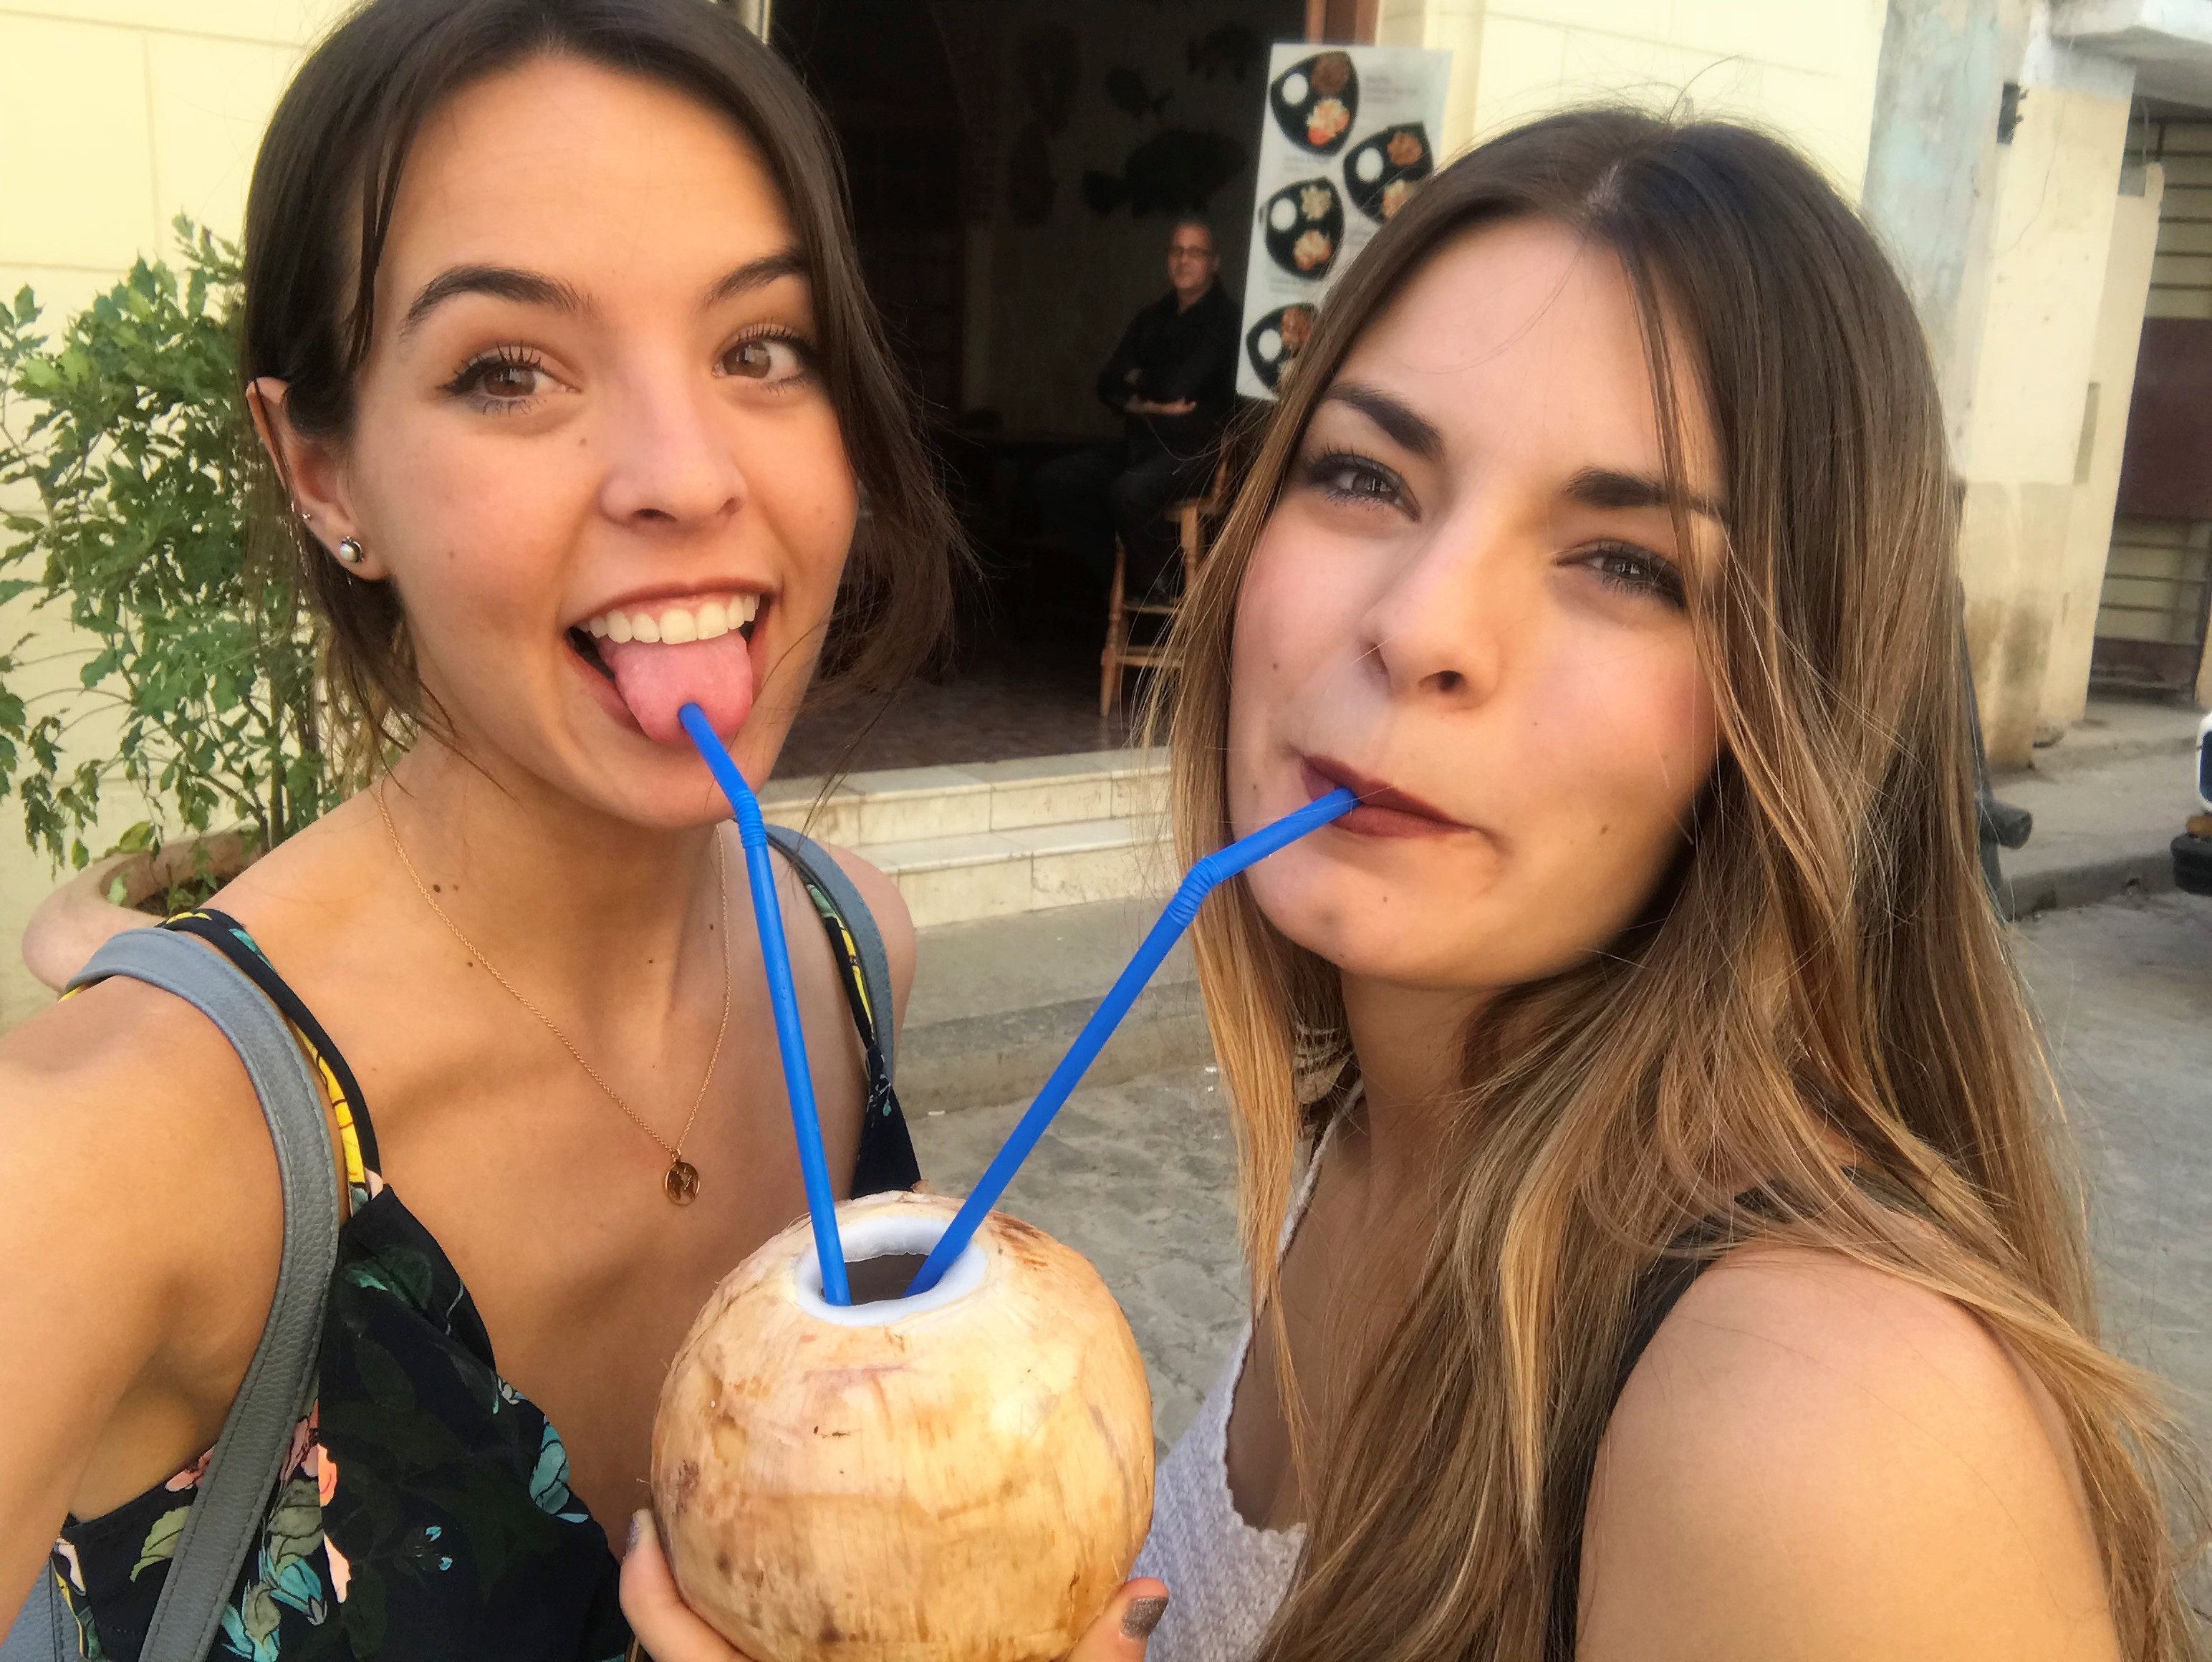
(1345, 476)
(769, 359)
(509, 380)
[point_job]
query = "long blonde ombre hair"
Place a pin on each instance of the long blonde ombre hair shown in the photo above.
(1823, 968)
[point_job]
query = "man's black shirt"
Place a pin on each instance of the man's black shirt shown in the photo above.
(1167, 355)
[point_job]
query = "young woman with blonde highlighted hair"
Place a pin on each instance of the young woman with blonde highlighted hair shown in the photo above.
(1686, 1264)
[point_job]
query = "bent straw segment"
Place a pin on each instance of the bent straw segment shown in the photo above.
(1202, 879)
(783, 998)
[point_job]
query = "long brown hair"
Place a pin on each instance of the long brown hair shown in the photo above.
(317, 215)
(1825, 962)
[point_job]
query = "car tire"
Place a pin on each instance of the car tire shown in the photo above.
(2192, 864)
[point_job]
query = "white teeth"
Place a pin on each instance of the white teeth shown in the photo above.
(705, 619)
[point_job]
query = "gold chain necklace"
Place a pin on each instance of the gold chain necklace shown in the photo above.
(681, 1183)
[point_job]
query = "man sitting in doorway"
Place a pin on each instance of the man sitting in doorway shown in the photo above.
(1173, 382)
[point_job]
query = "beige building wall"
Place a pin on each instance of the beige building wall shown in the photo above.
(2128, 262)
(115, 116)
(1804, 69)
(2033, 323)
(2052, 232)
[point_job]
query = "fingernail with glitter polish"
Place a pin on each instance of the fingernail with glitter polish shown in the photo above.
(636, 1530)
(1142, 1616)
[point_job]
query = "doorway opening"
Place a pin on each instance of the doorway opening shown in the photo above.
(1015, 168)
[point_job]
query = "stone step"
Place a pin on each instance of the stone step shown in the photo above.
(1031, 868)
(908, 805)
(997, 839)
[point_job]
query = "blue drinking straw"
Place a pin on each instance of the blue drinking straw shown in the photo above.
(1203, 878)
(790, 1037)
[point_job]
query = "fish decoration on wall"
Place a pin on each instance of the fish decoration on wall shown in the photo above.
(1127, 91)
(1177, 170)
(1047, 61)
(1230, 49)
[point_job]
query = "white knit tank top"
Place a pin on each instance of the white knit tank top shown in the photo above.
(1226, 1578)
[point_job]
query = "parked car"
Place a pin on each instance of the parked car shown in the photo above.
(2192, 849)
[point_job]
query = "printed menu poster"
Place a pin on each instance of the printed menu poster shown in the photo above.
(1348, 131)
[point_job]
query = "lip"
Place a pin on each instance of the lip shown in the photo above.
(1384, 810)
(648, 594)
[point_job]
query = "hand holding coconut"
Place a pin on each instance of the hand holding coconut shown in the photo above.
(668, 1631)
(954, 1466)
(963, 1475)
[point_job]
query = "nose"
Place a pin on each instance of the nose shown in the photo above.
(670, 456)
(1439, 627)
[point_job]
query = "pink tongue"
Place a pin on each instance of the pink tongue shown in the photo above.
(656, 681)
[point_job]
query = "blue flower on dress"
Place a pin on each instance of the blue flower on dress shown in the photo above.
(548, 1483)
(285, 1574)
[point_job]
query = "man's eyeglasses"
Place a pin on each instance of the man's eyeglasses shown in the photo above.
(1188, 251)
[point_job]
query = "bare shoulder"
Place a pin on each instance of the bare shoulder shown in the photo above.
(889, 908)
(125, 1115)
(132, 1076)
(1821, 1459)
(141, 1231)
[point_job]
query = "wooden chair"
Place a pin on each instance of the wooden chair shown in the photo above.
(1194, 517)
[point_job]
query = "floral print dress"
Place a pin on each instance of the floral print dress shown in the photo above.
(424, 1508)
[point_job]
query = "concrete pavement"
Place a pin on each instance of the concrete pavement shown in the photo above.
(1140, 1178)
(1140, 1175)
(2125, 990)
(2108, 800)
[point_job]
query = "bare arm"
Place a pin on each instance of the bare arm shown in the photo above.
(141, 1232)
(1817, 1460)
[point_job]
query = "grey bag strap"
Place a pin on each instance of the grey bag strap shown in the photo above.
(44, 1630)
(232, 1500)
(813, 859)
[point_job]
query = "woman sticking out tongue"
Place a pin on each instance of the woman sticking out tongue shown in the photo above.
(657, 681)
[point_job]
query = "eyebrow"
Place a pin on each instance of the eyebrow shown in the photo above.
(535, 288)
(758, 274)
(1593, 487)
(1404, 425)
(1608, 487)
(501, 282)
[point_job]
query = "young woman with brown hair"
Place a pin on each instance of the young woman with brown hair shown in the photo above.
(1685, 1266)
(554, 336)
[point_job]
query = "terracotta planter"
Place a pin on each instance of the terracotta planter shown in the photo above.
(76, 919)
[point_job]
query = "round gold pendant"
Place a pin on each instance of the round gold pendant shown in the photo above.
(681, 1182)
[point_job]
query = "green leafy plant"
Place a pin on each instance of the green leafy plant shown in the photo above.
(133, 438)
